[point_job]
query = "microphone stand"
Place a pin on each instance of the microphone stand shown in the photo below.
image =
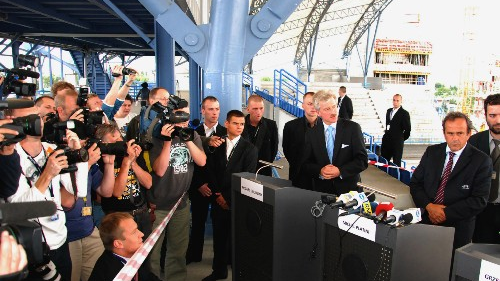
(266, 164)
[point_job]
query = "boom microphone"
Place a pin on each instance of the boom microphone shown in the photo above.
(16, 212)
(16, 103)
(23, 72)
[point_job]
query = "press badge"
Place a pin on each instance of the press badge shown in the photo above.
(494, 175)
(86, 211)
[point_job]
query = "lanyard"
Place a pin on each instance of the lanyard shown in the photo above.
(39, 169)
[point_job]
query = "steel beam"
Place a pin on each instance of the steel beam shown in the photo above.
(35, 7)
(369, 16)
(131, 23)
(311, 27)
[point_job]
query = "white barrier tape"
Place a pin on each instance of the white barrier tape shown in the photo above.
(129, 270)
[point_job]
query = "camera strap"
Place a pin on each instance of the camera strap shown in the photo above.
(39, 169)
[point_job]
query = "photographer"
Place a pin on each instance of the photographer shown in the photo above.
(116, 95)
(173, 165)
(10, 162)
(41, 181)
(45, 106)
(85, 245)
(60, 86)
(131, 182)
(123, 117)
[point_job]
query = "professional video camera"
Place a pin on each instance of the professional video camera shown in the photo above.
(14, 219)
(167, 115)
(26, 125)
(14, 79)
(125, 71)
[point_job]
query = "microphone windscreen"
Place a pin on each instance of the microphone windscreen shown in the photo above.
(369, 208)
(18, 212)
(406, 218)
(384, 206)
(372, 197)
(195, 122)
(16, 103)
(24, 72)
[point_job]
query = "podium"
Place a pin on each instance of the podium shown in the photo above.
(477, 262)
(355, 248)
(273, 230)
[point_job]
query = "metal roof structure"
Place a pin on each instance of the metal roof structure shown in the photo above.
(125, 27)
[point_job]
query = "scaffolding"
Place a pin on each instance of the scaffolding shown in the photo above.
(467, 88)
(402, 61)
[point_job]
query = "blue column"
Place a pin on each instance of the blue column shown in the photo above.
(165, 55)
(194, 90)
(50, 66)
(226, 48)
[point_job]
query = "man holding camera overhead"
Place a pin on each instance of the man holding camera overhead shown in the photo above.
(41, 180)
(176, 149)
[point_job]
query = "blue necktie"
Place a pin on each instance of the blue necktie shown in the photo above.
(330, 140)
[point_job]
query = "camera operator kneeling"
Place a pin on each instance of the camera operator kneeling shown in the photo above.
(132, 178)
(41, 180)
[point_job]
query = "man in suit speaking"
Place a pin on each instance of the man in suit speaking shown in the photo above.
(335, 151)
(452, 182)
(397, 130)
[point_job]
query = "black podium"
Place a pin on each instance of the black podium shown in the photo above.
(273, 230)
(477, 262)
(355, 248)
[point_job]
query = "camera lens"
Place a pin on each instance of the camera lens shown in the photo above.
(118, 148)
(31, 124)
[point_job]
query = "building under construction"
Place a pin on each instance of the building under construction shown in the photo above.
(401, 61)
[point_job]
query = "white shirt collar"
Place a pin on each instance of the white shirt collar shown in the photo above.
(457, 153)
(210, 130)
(333, 125)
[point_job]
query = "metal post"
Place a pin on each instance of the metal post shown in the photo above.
(365, 70)
(165, 59)
(194, 90)
(224, 63)
(15, 53)
(50, 66)
(62, 65)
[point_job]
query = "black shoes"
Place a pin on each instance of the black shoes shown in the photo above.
(213, 277)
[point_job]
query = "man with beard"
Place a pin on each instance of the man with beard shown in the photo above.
(488, 222)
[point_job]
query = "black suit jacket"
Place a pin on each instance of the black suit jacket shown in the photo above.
(266, 140)
(466, 192)
(349, 155)
(219, 169)
(199, 174)
(346, 110)
(294, 135)
(108, 265)
(481, 141)
(400, 126)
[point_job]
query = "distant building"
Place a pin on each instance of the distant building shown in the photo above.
(402, 61)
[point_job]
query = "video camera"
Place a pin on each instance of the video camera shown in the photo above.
(14, 79)
(14, 219)
(30, 125)
(125, 71)
(167, 115)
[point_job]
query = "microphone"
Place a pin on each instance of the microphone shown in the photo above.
(412, 215)
(368, 208)
(343, 199)
(267, 164)
(16, 212)
(16, 103)
(393, 216)
(381, 211)
(356, 202)
(23, 72)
